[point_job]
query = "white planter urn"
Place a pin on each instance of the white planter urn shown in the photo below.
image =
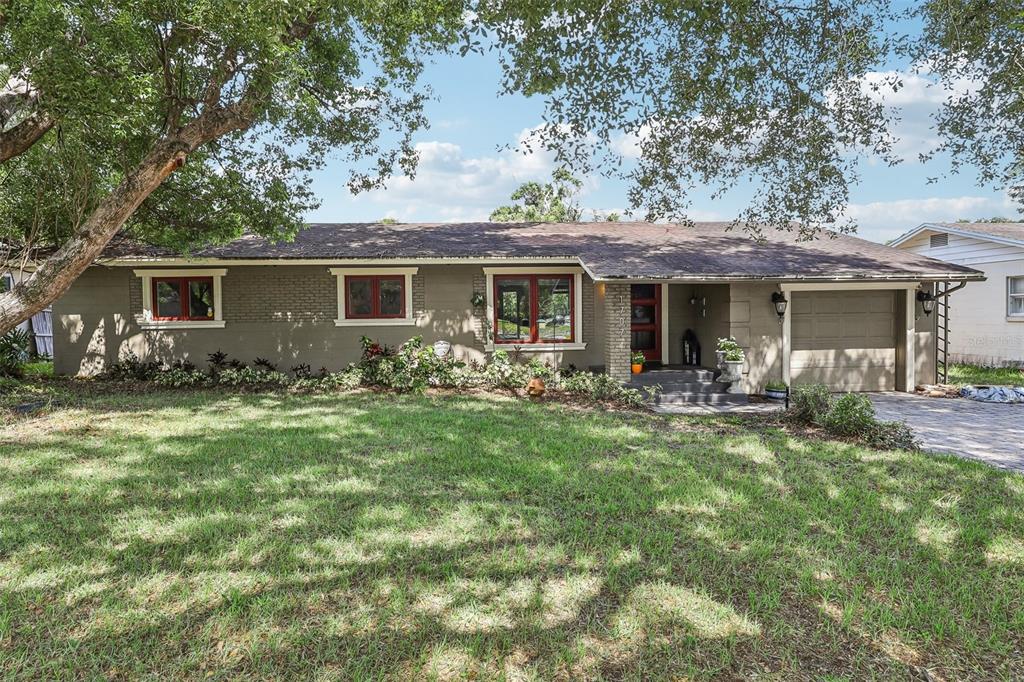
(732, 373)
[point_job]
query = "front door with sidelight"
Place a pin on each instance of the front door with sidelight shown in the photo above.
(645, 320)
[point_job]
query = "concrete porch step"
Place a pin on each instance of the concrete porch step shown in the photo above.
(701, 399)
(672, 386)
(663, 375)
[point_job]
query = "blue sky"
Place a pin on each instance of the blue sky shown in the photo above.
(465, 170)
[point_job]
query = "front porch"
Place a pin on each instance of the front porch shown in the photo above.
(854, 336)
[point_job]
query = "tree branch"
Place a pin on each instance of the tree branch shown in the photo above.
(18, 139)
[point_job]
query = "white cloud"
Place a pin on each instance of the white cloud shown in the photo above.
(884, 220)
(452, 186)
(913, 98)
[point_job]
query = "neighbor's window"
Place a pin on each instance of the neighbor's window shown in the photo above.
(374, 296)
(1015, 296)
(183, 298)
(533, 309)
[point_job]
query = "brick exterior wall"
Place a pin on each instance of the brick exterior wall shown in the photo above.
(280, 294)
(480, 322)
(588, 309)
(419, 297)
(617, 335)
(135, 298)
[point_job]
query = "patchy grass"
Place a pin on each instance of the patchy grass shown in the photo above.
(39, 368)
(974, 375)
(205, 535)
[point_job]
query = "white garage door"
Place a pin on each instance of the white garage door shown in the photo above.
(844, 339)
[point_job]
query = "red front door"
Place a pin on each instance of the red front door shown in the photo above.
(645, 320)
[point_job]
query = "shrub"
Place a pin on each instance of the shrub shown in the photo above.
(14, 352)
(302, 371)
(177, 377)
(251, 376)
(131, 368)
(502, 372)
(263, 363)
(604, 388)
(851, 415)
(892, 436)
(345, 380)
(218, 360)
(411, 368)
(809, 403)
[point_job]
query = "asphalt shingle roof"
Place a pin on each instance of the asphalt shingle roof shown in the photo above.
(1013, 231)
(608, 250)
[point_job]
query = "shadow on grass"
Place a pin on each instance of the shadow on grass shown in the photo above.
(381, 536)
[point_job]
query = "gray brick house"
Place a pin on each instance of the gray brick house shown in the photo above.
(585, 294)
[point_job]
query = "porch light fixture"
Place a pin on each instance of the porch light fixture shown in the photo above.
(927, 301)
(780, 303)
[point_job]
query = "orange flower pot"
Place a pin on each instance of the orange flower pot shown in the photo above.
(637, 368)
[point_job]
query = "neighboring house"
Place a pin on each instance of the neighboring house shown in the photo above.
(41, 324)
(986, 321)
(569, 293)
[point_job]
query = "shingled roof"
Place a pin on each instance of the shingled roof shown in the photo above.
(1011, 231)
(608, 250)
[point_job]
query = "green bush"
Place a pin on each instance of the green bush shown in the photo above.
(14, 352)
(501, 372)
(809, 403)
(346, 380)
(412, 367)
(603, 388)
(131, 368)
(892, 436)
(851, 415)
(178, 377)
(251, 376)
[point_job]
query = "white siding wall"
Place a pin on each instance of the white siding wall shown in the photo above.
(979, 330)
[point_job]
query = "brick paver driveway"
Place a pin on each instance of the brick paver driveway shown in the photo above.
(990, 432)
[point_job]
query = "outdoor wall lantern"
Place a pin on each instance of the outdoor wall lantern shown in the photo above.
(780, 303)
(927, 301)
(703, 301)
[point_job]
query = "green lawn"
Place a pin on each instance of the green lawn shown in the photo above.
(973, 375)
(204, 535)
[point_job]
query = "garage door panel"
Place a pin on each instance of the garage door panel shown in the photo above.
(802, 305)
(851, 305)
(844, 339)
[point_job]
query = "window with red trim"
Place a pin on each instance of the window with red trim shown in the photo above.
(374, 296)
(183, 298)
(533, 309)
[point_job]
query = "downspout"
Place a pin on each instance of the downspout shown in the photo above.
(958, 287)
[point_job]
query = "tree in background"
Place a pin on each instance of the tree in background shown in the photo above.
(184, 122)
(976, 49)
(550, 202)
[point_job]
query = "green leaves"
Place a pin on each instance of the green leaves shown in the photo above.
(551, 202)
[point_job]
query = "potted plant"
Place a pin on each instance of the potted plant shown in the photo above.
(776, 390)
(637, 361)
(731, 359)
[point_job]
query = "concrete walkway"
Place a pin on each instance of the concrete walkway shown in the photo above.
(990, 432)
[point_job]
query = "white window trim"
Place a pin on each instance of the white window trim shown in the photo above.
(577, 319)
(1013, 317)
(147, 299)
(342, 321)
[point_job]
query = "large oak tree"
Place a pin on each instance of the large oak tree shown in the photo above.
(185, 122)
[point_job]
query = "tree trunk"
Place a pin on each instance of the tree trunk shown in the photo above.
(57, 272)
(53, 277)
